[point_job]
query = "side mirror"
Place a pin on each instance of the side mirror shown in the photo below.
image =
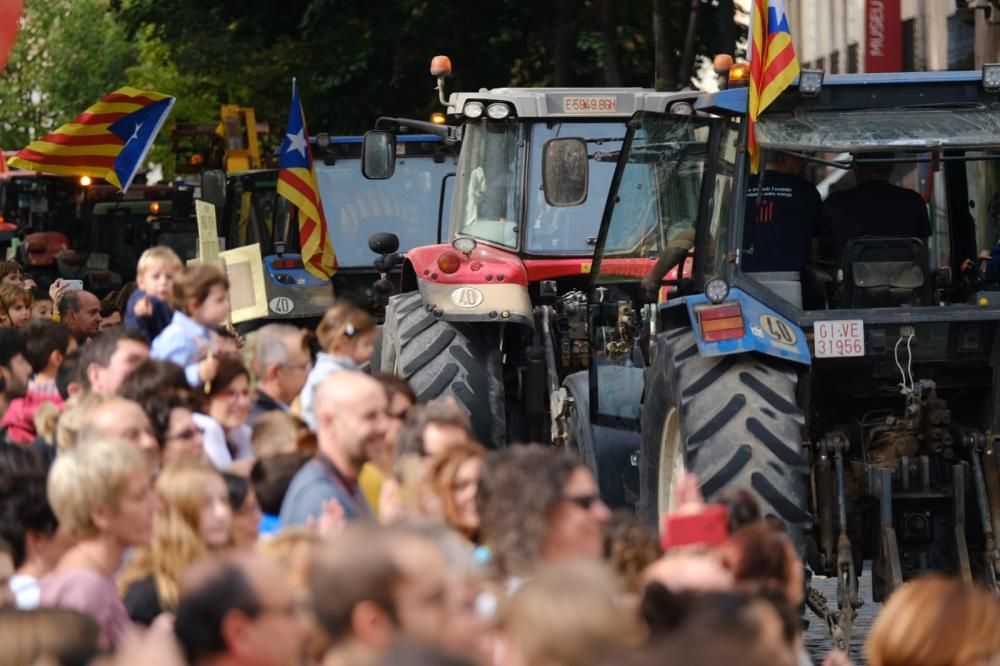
(565, 172)
(383, 243)
(378, 155)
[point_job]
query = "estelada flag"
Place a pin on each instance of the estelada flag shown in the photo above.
(109, 140)
(773, 65)
(297, 183)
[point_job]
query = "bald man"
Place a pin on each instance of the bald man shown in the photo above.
(123, 419)
(350, 420)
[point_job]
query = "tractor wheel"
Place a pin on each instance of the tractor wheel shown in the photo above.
(607, 452)
(732, 420)
(441, 358)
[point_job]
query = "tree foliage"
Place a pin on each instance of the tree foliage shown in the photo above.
(354, 61)
(68, 53)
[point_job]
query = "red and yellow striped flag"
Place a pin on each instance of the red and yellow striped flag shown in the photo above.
(109, 140)
(773, 65)
(297, 183)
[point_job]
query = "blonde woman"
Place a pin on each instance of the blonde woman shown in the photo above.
(194, 518)
(936, 621)
(102, 494)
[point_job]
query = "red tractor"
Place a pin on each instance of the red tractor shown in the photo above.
(497, 318)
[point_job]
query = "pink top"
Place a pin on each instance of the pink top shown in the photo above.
(20, 416)
(89, 592)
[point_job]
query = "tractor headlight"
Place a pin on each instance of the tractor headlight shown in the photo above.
(681, 108)
(473, 110)
(810, 82)
(717, 290)
(991, 77)
(464, 244)
(498, 111)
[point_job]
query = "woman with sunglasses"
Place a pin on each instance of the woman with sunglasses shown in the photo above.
(224, 419)
(538, 505)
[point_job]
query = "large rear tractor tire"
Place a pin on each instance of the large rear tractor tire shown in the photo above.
(440, 358)
(733, 421)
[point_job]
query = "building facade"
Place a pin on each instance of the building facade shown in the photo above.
(841, 36)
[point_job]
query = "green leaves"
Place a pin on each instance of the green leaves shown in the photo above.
(68, 53)
(355, 61)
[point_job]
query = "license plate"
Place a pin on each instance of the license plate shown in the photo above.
(590, 104)
(839, 338)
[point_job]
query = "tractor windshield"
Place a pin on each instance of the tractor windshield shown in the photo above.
(658, 195)
(571, 229)
(490, 181)
(913, 129)
(904, 201)
(408, 205)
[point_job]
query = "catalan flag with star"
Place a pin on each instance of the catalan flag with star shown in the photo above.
(109, 140)
(773, 65)
(297, 183)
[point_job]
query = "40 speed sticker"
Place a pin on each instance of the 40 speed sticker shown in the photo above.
(281, 305)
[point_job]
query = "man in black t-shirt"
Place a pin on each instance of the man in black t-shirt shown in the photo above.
(875, 207)
(782, 218)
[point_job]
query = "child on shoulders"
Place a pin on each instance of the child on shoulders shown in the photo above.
(201, 299)
(148, 311)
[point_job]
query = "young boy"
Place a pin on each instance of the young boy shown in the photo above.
(42, 306)
(46, 344)
(148, 311)
(15, 305)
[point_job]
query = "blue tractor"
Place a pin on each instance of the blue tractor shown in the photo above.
(859, 396)
(413, 206)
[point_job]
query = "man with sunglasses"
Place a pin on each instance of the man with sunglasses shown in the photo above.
(281, 364)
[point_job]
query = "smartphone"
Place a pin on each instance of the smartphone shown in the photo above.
(709, 527)
(73, 285)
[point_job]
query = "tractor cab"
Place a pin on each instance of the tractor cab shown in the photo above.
(835, 348)
(511, 137)
(506, 293)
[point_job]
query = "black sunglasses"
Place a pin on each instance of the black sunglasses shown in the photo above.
(583, 501)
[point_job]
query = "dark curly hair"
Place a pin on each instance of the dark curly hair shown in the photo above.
(519, 489)
(630, 546)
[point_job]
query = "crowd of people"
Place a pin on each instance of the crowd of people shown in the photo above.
(171, 493)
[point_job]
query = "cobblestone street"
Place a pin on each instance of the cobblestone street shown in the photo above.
(818, 641)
